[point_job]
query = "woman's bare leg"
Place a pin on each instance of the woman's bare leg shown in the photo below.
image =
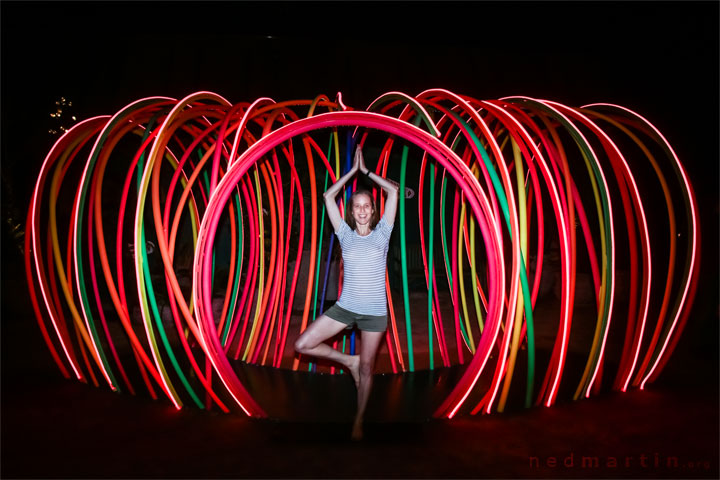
(311, 343)
(369, 344)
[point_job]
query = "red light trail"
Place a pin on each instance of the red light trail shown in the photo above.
(226, 195)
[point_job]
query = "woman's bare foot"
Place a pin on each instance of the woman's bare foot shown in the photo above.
(357, 432)
(354, 367)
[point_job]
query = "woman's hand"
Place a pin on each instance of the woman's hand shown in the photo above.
(334, 189)
(359, 163)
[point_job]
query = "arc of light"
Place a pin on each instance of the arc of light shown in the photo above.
(671, 233)
(610, 238)
(557, 206)
(452, 264)
(155, 153)
(93, 125)
(643, 228)
(691, 202)
(569, 201)
(117, 295)
(161, 222)
(30, 279)
(295, 184)
(509, 210)
(65, 275)
(54, 254)
(505, 194)
(154, 156)
(95, 220)
(381, 169)
(77, 220)
(452, 118)
(411, 103)
(209, 225)
(522, 300)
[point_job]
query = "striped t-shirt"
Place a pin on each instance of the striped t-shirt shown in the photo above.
(364, 264)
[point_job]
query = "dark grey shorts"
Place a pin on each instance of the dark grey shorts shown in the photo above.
(370, 323)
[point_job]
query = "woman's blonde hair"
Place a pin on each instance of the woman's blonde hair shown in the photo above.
(350, 220)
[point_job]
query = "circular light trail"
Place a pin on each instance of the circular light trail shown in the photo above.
(177, 237)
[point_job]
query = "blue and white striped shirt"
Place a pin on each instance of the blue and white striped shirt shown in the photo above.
(364, 264)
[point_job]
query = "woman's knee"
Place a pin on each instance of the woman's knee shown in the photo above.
(366, 367)
(301, 344)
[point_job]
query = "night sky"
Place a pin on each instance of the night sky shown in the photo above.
(657, 58)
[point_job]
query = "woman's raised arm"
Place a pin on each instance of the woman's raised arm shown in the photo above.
(330, 194)
(389, 187)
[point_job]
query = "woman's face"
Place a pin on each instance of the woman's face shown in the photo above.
(362, 209)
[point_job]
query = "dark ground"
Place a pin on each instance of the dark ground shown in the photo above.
(56, 428)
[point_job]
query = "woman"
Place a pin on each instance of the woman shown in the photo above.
(363, 301)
